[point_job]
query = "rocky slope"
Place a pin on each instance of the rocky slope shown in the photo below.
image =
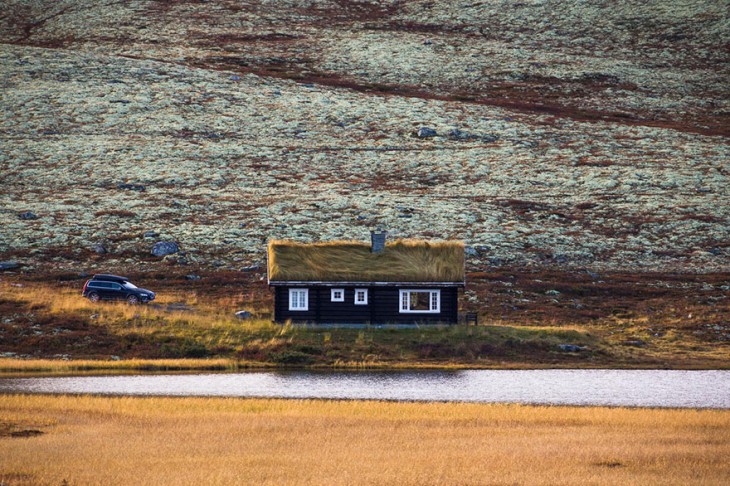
(583, 135)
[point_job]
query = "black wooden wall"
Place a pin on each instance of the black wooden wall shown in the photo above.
(382, 307)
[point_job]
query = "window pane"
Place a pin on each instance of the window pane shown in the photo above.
(434, 301)
(420, 301)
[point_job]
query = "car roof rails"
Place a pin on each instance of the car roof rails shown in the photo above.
(111, 278)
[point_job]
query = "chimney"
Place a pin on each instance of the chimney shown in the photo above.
(377, 240)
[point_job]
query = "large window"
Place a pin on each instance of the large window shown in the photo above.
(298, 299)
(361, 296)
(420, 301)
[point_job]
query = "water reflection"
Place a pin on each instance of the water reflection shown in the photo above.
(646, 388)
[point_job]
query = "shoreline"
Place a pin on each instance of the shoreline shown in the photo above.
(16, 368)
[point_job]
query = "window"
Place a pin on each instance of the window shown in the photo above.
(338, 295)
(299, 299)
(361, 296)
(421, 301)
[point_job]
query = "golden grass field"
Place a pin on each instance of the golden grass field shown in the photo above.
(123, 440)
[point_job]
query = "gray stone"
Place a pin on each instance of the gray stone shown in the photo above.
(162, 248)
(131, 187)
(571, 348)
(99, 248)
(9, 265)
(471, 251)
(636, 342)
(150, 234)
(552, 292)
(457, 134)
(192, 277)
(28, 215)
(244, 314)
(251, 268)
(425, 132)
(558, 258)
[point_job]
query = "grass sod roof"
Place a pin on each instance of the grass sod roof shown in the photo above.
(352, 261)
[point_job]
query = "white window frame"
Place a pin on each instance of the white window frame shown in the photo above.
(336, 299)
(295, 301)
(404, 301)
(365, 302)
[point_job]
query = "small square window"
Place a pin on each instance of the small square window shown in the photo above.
(338, 295)
(361, 296)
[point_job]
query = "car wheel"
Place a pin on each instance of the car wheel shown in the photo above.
(132, 300)
(94, 297)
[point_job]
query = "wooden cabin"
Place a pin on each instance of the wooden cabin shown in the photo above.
(350, 282)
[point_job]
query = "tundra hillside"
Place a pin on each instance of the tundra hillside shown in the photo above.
(543, 133)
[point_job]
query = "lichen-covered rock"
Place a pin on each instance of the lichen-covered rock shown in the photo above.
(425, 132)
(164, 248)
(27, 215)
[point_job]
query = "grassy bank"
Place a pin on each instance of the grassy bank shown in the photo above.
(51, 439)
(48, 327)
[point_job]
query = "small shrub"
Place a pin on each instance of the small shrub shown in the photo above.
(293, 358)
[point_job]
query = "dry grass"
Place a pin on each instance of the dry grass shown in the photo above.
(402, 260)
(9, 366)
(42, 320)
(95, 440)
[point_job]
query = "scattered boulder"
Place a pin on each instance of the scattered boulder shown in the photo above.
(99, 248)
(560, 259)
(552, 292)
(471, 251)
(251, 268)
(131, 187)
(571, 348)
(425, 132)
(9, 265)
(150, 234)
(244, 314)
(636, 342)
(27, 215)
(163, 248)
(457, 134)
(192, 276)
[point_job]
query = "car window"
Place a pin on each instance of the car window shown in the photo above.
(99, 285)
(129, 285)
(116, 286)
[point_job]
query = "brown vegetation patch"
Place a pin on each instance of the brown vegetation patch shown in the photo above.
(121, 213)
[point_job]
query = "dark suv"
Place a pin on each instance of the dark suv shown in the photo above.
(113, 287)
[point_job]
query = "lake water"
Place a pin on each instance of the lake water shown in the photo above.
(632, 388)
